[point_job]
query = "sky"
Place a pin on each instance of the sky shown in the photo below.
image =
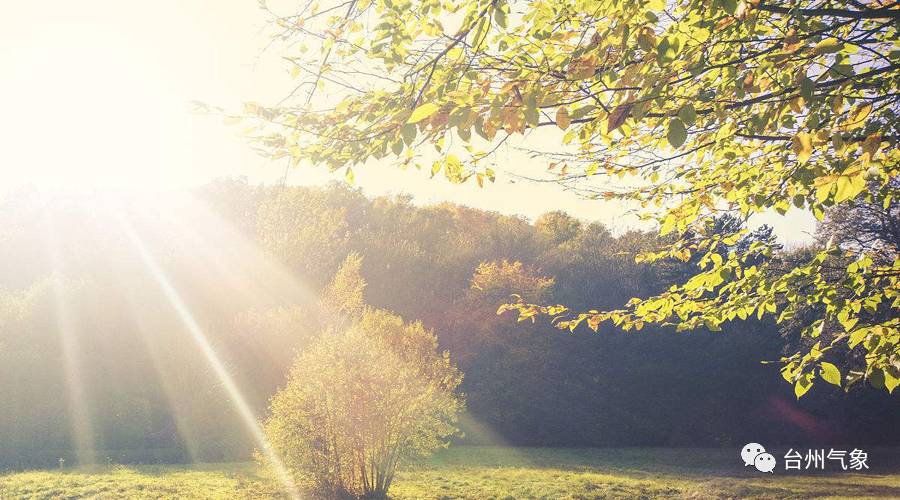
(96, 94)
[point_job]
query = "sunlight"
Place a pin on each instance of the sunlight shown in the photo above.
(242, 271)
(173, 397)
(212, 358)
(82, 432)
(465, 249)
(245, 267)
(110, 123)
(484, 434)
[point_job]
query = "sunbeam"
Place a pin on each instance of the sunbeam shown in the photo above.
(242, 271)
(82, 432)
(243, 266)
(483, 434)
(449, 249)
(212, 358)
(185, 432)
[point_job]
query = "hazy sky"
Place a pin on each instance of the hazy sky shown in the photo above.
(97, 93)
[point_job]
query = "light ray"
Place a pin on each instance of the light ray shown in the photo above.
(168, 386)
(480, 433)
(244, 272)
(212, 358)
(82, 432)
(245, 267)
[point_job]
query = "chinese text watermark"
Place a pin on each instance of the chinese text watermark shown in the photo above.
(756, 455)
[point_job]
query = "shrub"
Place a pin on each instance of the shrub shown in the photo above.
(362, 400)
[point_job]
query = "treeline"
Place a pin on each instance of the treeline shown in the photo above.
(119, 316)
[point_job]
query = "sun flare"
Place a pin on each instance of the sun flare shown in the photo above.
(88, 114)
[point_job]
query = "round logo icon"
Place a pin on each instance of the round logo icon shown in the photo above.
(764, 462)
(750, 451)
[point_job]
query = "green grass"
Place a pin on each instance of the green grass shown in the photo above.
(491, 473)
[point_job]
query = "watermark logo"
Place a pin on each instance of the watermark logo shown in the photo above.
(764, 462)
(855, 459)
(755, 454)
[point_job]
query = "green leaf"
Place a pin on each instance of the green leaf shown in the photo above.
(586, 110)
(876, 378)
(500, 17)
(729, 6)
(823, 191)
(532, 115)
(645, 42)
(422, 112)
(830, 373)
(409, 133)
(688, 114)
(456, 118)
(677, 133)
(857, 336)
(803, 385)
(807, 87)
(668, 49)
(668, 225)
(847, 320)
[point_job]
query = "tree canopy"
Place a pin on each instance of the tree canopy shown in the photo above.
(688, 109)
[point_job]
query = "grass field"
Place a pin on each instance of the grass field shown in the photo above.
(492, 473)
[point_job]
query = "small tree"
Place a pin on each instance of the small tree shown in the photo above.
(362, 400)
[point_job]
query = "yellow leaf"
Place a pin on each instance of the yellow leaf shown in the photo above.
(890, 381)
(827, 46)
(422, 112)
(562, 118)
(831, 374)
(822, 192)
(802, 145)
(668, 225)
(802, 385)
(860, 113)
(848, 186)
(872, 144)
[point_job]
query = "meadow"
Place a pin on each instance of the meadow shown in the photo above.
(490, 473)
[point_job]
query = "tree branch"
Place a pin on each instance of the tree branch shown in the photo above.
(887, 12)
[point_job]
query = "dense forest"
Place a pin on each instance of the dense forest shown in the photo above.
(111, 306)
